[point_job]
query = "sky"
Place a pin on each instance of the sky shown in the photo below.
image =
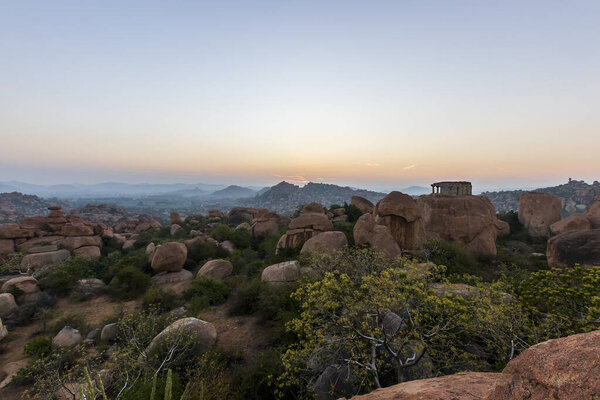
(378, 94)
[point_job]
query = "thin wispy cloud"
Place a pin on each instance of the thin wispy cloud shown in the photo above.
(292, 178)
(368, 164)
(409, 167)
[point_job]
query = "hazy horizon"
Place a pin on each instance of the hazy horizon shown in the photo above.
(379, 96)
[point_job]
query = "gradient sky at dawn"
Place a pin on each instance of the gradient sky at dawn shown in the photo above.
(374, 94)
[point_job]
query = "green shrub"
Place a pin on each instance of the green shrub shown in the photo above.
(11, 264)
(566, 300)
(163, 300)
(353, 212)
(206, 250)
(255, 268)
(62, 278)
(138, 260)
(214, 290)
(130, 282)
(143, 388)
(245, 298)
(39, 346)
(346, 228)
(454, 257)
(258, 381)
(197, 304)
(221, 232)
(241, 238)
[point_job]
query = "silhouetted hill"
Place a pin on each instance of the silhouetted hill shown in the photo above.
(233, 192)
(286, 197)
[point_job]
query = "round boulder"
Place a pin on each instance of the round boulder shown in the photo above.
(216, 269)
(67, 337)
(109, 332)
(26, 285)
(193, 335)
(537, 211)
(325, 242)
(287, 271)
(8, 305)
(366, 231)
(87, 252)
(363, 204)
(169, 257)
(574, 222)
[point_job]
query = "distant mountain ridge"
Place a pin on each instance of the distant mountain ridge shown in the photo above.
(286, 197)
(112, 189)
(233, 192)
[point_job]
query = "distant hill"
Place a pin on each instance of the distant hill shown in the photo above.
(286, 197)
(16, 206)
(233, 192)
(576, 196)
(112, 189)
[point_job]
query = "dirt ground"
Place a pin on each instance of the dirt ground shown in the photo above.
(242, 334)
(12, 358)
(245, 334)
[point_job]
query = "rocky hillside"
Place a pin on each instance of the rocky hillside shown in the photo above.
(108, 214)
(285, 197)
(16, 206)
(576, 196)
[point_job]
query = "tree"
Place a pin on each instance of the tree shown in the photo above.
(389, 321)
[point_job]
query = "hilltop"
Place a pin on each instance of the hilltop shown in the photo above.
(286, 197)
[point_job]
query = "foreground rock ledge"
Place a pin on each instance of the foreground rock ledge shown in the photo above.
(461, 386)
(559, 369)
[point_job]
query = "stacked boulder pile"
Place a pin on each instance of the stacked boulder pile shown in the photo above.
(125, 233)
(46, 241)
(311, 222)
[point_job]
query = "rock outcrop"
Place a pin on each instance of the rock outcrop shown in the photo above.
(238, 215)
(216, 269)
(325, 242)
(268, 224)
(67, 337)
(285, 272)
(363, 204)
(27, 287)
(560, 369)
(8, 306)
(401, 214)
(303, 228)
(469, 221)
(199, 334)
(574, 222)
(576, 247)
(39, 261)
(366, 231)
(461, 386)
(313, 208)
(169, 257)
(537, 211)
